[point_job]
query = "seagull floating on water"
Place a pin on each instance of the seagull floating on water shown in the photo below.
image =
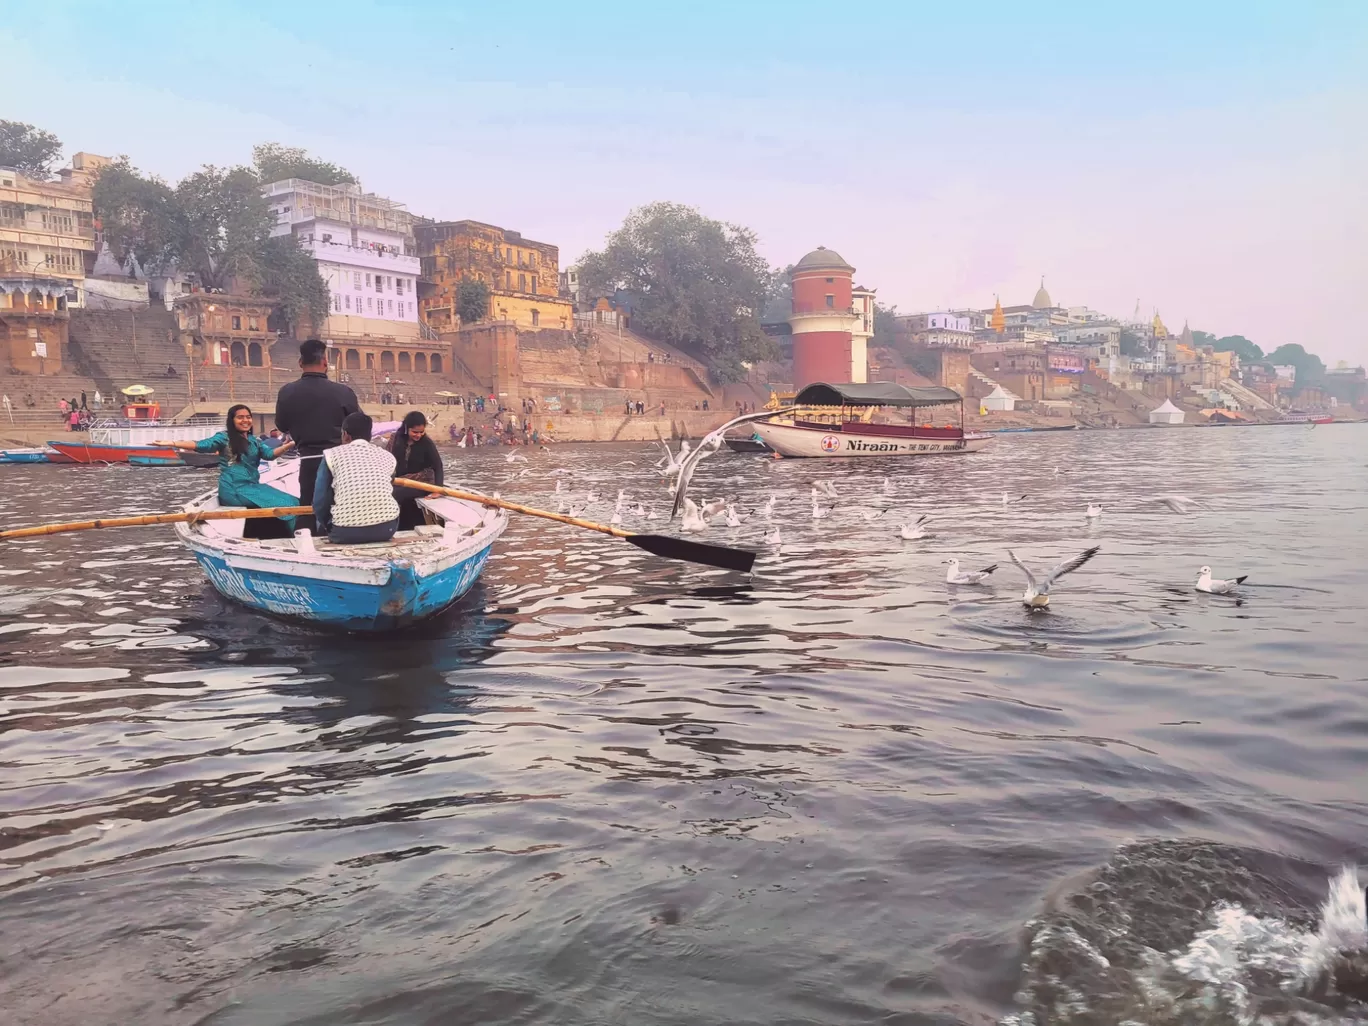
(772, 536)
(1094, 511)
(714, 507)
(767, 510)
(732, 519)
(953, 575)
(823, 489)
(914, 531)
(1037, 594)
(639, 511)
(1007, 500)
(871, 515)
(1216, 586)
(693, 522)
(818, 513)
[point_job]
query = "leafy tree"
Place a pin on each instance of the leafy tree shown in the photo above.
(29, 150)
(1203, 338)
(284, 271)
(885, 325)
(226, 224)
(138, 215)
(274, 162)
(1246, 350)
(472, 300)
(214, 225)
(691, 281)
(1310, 369)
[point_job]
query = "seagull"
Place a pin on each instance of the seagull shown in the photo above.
(560, 486)
(1176, 503)
(772, 536)
(623, 497)
(888, 487)
(591, 497)
(693, 520)
(1214, 585)
(560, 506)
(1007, 500)
(712, 441)
(914, 531)
(767, 510)
(514, 457)
(954, 576)
(716, 506)
(871, 515)
(1094, 511)
(1037, 594)
(640, 510)
(823, 489)
(732, 519)
(617, 514)
(818, 513)
(577, 511)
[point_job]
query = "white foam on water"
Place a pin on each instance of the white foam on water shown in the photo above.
(1238, 943)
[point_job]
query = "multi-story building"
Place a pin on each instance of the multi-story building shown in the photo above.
(942, 328)
(523, 276)
(365, 251)
(47, 229)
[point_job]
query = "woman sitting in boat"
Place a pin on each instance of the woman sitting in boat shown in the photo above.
(240, 455)
(415, 457)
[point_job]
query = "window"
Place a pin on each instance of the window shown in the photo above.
(252, 324)
(830, 280)
(536, 318)
(391, 306)
(508, 255)
(534, 283)
(368, 302)
(398, 286)
(356, 280)
(508, 280)
(522, 283)
(237, 323)
(387, 360)
(831, 302)
(379, 283)
(349, 302)
(404, 363)
(353, 360)
(436, 364)
(337, 303)
(420, 362)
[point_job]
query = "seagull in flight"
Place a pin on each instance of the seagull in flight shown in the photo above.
(1037, 594)
(714, 507)
(823, 490)
(953, 574)
(1216, 586)
(1176, 503)
(712, 441)
(514, 457)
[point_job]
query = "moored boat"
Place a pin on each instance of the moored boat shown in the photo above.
(96, 452)
(23, 455)
(839, 420)
(380, 586)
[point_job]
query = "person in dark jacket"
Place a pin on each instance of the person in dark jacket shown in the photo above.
(311, 411)
(415, 457)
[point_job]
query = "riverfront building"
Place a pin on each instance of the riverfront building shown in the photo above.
(830, 333)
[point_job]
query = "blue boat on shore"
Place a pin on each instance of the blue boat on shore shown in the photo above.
(383, 586)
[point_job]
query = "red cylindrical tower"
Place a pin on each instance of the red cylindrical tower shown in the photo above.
(823, 319)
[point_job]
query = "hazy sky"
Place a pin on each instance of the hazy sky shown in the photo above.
(1208, 159)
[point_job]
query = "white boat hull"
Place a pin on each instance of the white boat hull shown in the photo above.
(794, 440)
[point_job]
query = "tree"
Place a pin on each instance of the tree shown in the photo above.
(885, 325)
(1246, 350)
(472, 300)
(29, 150)
(1203, 338)
(215, 226)
(139, 216)
(1310, 369)
(274, 162)
(691, 281)
(226, 222)
(286, 272)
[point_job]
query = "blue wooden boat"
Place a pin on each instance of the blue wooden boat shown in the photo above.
(23, 455)
(156, 461)
(383, 586)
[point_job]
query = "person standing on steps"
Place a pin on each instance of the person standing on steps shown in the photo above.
(311, 411)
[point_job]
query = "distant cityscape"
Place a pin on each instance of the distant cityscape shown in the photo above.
(457, 307)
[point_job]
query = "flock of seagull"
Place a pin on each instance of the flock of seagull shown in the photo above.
(676, 470)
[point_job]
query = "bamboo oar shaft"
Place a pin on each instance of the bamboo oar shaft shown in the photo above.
(514, 507)
(155, 518)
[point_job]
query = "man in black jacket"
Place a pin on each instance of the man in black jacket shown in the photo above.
(311, 411)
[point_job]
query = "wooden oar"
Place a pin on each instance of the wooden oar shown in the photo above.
(657, 544)
(155, 518)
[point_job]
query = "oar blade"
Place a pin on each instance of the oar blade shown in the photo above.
(740, 560)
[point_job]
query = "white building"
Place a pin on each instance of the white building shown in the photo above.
(946, 328)
(862, 303)
(365, 251)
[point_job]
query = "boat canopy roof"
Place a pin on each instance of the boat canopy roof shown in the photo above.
(874, 393)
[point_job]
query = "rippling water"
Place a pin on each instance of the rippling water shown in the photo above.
(615, 789)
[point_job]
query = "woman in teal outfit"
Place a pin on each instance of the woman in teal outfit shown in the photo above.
(240, 455)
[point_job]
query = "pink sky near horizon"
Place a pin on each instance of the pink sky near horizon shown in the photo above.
(1239, 210)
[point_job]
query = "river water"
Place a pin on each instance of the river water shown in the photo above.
(616, 789)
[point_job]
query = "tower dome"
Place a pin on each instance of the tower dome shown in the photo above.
(823, 259)
(1042, 298)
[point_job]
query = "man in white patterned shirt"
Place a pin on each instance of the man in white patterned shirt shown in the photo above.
(354, 495)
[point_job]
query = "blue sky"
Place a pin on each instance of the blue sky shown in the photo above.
(1205, 159)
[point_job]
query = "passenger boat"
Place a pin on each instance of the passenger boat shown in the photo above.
(839, 420)
(114, 441)
(382, 586)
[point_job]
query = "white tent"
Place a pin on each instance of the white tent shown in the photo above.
(997, 399)
(1167, 414)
